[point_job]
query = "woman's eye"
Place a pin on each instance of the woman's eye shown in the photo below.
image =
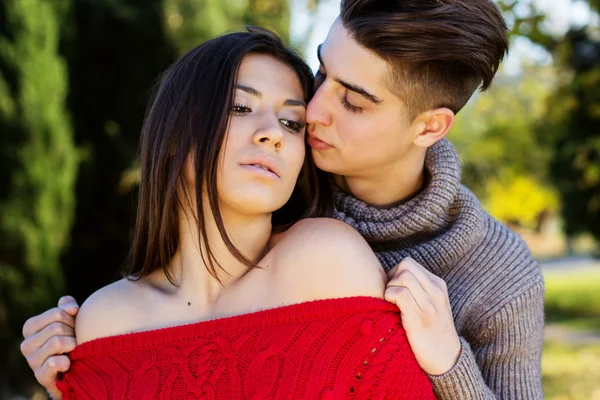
(293, 125)
(239, 109)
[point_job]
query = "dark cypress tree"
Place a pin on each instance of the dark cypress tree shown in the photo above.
(38, 167)
(115, 53)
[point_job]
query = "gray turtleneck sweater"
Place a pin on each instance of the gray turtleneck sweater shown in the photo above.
(495, 287)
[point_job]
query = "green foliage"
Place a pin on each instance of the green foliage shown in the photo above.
(38, 162)
(503, 162)
(572, 128)
(191, 22)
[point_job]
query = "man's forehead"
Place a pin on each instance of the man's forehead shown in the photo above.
(341, 55)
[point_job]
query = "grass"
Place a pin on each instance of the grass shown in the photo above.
(573, 296)
(571, 371)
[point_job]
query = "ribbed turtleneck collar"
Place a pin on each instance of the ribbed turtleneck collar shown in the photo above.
(436, 227)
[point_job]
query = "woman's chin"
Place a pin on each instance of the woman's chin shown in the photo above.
(255, 207)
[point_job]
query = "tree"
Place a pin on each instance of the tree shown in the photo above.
(115, 52)
(503, 161)
(38, 167)
(572, 127)
(191, 22)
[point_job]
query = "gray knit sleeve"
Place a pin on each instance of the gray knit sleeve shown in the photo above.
(504, 360)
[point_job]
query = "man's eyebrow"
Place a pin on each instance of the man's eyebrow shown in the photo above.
(357, 89)
(254, 92)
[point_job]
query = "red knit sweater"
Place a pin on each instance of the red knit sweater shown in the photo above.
(352, 348)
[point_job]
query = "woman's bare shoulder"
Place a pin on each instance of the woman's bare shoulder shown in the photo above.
(324, 258)
(111, 310)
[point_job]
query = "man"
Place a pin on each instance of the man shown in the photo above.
(393, 75)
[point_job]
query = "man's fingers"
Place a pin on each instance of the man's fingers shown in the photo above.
(69, 305)
(434, 285)
(55, 346)
(46, 375)
(33, 342)
(35, 324)
(66, 300)
(409, 281)
(402, 297)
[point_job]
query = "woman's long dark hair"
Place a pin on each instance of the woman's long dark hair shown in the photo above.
(189, 115)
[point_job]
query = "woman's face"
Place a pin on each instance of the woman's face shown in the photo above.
(264, 148)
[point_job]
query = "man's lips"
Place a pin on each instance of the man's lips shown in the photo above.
(318, 144)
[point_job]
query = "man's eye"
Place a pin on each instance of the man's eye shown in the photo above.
(239, 109)
(350, 107)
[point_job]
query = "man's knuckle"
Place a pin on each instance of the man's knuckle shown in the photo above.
(56, 314)
(405, 263)
(24, 347)
(440, 293)
(411, 262)
(402, 292)
(429, 309)
(441, 283)
(26, 328)
(57, 328)
(55, 344)
(51, 363)
(404, 274)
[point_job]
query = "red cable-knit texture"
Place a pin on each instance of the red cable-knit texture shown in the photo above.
(351, 348)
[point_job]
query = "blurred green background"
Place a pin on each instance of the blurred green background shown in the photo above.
(74, 81)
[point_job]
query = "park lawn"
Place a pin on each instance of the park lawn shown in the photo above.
(573, 297)
(571, 371)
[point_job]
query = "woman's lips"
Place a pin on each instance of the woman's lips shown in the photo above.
(260, 171)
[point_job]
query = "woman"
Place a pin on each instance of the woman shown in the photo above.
(227, 295)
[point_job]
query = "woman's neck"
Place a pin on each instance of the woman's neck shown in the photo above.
(249, 234)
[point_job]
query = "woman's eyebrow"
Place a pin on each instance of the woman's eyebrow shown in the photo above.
(294, 103)
(249, 90)
(254, 92)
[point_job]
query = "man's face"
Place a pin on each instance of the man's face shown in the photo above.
(358, 127)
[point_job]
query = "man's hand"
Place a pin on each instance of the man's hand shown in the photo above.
(48, 337)
(426, 315)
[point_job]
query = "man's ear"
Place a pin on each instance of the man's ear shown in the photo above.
(433, 126)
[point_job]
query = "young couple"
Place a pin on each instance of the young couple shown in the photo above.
(235, 289)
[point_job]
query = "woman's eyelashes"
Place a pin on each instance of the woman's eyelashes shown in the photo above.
(240, 109)
(292, 125)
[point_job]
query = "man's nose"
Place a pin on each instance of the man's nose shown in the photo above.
(318, 111)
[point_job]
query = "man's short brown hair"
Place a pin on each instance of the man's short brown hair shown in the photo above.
(439, 51)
